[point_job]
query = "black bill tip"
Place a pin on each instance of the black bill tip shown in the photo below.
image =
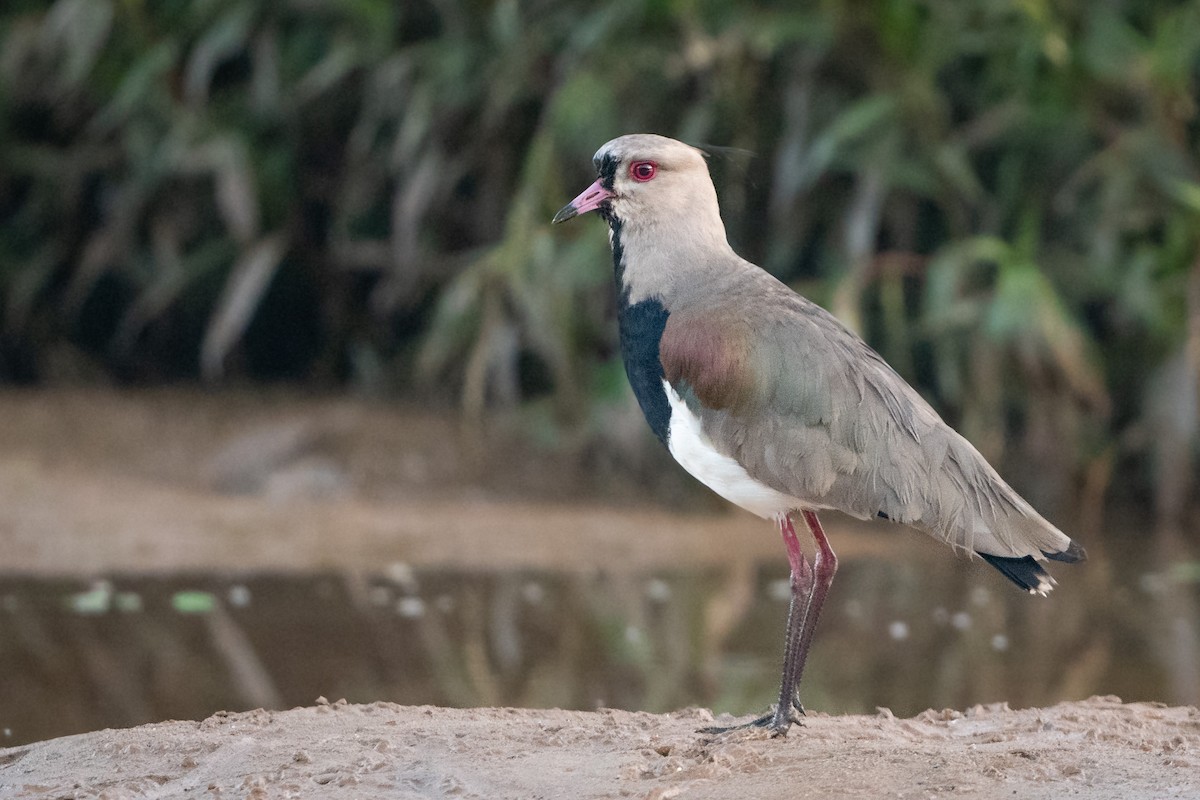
(564, 214)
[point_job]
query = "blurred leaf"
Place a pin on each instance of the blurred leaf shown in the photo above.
(28, 285)
(1186, 572)
(1187, 193)
(236, 194)
(327, 73)
(193, 602)
(227, 36)
(863, 116)
(244, 289)
(96, 600)
(79, 29)
(139, 87)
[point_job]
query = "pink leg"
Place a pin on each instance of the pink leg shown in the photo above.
(824, 568)
(802, 571)
(810, 585)
(803, 586)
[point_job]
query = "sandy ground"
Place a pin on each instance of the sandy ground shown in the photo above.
(95, 483)
(1099, 748)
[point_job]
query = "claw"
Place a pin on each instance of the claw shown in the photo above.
(778, 724)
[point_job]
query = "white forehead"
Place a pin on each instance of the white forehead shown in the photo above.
(648, 146)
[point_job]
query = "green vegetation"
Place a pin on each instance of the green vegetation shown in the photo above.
(1004, 197)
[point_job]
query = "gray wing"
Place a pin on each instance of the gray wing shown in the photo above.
(812, 411)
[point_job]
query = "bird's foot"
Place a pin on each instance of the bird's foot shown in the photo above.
(773, 721)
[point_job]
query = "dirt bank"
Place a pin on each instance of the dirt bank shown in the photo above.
(1099, 748)
(97, 482)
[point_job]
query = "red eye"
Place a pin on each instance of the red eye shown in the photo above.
(642, 171)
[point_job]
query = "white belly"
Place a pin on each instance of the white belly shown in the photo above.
(695, 453)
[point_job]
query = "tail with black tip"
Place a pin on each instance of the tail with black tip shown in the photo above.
(1028, 573)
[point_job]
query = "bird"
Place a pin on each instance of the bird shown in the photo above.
(770, 401)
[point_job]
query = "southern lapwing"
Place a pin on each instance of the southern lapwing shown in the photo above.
(768, 400)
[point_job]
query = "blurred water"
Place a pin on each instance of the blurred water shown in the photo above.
(78, 656)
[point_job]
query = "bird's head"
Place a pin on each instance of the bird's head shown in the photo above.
(644, 177)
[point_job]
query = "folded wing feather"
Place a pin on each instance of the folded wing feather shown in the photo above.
(813, 412)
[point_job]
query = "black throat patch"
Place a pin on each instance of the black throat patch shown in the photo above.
(641, 326)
